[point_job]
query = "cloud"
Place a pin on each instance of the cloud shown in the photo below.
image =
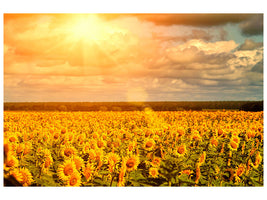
(253, 26)
(185, 19)
(250, 24)
(258, 67)
(249, 44)
(165, 62)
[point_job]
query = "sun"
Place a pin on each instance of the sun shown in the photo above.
(87, 28)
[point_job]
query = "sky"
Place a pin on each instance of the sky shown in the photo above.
(133, 57)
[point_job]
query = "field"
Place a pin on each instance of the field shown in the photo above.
(133, 148)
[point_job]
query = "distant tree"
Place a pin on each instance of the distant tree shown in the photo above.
(62, 108)
(103, 108)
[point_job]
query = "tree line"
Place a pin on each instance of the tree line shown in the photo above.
(134, 106)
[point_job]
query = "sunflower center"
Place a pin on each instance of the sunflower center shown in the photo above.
(181, 150)
(10, 163)
(235, 140)
(149, 144)
(68, 170)
(47, 162)
(233, 145)
(130, 163)
(153, 172)
(12, 139)
(68, 152)
(73, 181)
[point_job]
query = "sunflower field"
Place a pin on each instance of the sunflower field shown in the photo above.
(133, 148)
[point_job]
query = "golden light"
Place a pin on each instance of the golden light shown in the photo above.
(87, 28)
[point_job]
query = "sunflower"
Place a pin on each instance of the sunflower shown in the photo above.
(196, 136)
(233, 145)
(153, 172)
(66, 169)
(79, 162)
(101, 143)
(68, 152)
(180, 131)
(258, 160)
(240, 170)
(11, 162)
(88, 171)
(214, 142)
(149, 144)
(220, 132)
(187, 171)
(47, 162)
(202, 158)
(113, 158)
(80, 139)
(181, 150)
(20, 148)
(17, 175)
(99, 157)
(63, 130)
(92, 155)
(132, 145)
(13, 137)
(27, 148)
(86, 148)
(236, 139)
(131, 163)
(23, 175)
(74, 180)
(156, 162)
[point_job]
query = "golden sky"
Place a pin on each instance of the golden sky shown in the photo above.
(133, 57)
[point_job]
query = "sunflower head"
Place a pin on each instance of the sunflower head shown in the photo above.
(236, 139)
(88, 171)
(66, 169)
(92, 155)
(181, 150)
(23, 175)
(13, 137)
(180, 132)
(258, 160)
(156, 162)
(101, 143)
(79, 162)
(11, 162)
(131, 163)
(86, 148)
(214, 142)
(240, 170)
(187, 171)
(68, 152)
(149, 144)
(113, 158)
(74, 180)
(233, 145)
(153, 172)
(48, 162)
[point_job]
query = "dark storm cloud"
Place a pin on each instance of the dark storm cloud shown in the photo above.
(250, 45)
(258, 67)
(252, 26)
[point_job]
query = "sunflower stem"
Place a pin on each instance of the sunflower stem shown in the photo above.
(169, 183)
(111, 181)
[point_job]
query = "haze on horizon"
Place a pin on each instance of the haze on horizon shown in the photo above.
(133, 57)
